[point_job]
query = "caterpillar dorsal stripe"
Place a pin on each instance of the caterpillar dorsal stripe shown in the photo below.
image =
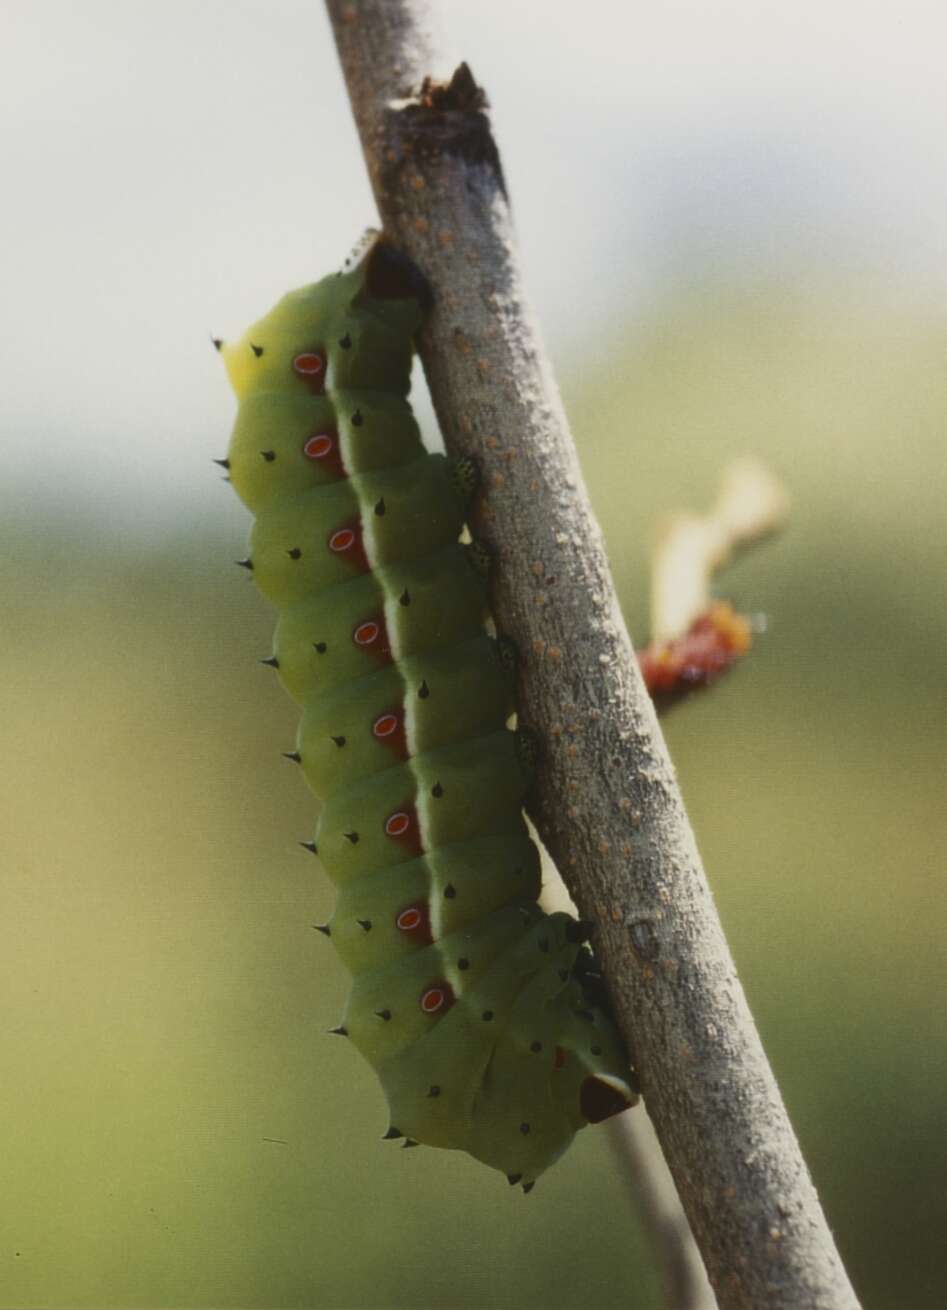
(475, 1008)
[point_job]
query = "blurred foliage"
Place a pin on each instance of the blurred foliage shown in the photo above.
(177, 1131)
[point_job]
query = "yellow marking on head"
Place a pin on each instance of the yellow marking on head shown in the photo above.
(239, 361)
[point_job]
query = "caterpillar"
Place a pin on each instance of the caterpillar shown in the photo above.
(483, 1017)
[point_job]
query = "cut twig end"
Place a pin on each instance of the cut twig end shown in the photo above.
(460, 95)
(444, 118)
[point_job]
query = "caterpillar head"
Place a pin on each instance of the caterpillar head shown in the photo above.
(306, 342)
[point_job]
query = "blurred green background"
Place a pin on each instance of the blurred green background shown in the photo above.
(733, 223)
(175, 1129)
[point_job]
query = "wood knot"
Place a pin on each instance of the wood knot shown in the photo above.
(644, 939)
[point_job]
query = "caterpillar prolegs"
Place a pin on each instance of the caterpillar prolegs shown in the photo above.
(478, 1011)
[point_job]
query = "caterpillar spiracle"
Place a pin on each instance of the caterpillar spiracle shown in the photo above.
(480, 1013)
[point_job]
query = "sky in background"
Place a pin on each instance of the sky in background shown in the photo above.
(171, 169)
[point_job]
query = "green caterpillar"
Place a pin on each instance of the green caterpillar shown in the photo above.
(478, 1011)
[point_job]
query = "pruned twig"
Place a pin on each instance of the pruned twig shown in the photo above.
(607, 803)
(651, 1187)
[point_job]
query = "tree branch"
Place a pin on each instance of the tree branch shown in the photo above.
(636, 1150)
(636, 1147)
(607, 803)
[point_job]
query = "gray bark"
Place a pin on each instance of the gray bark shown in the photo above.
(607, 803)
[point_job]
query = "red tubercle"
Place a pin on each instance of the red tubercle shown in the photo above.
(371, 635)
(367, 633)
(310, 367)
(323, 449)
(559, 1058)
(414, 923)
(402, 827)
(397, 824)
(347, 542)
(437, 998)
(711, 645)
(389, 729)
(319, 446)
(343, 540)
